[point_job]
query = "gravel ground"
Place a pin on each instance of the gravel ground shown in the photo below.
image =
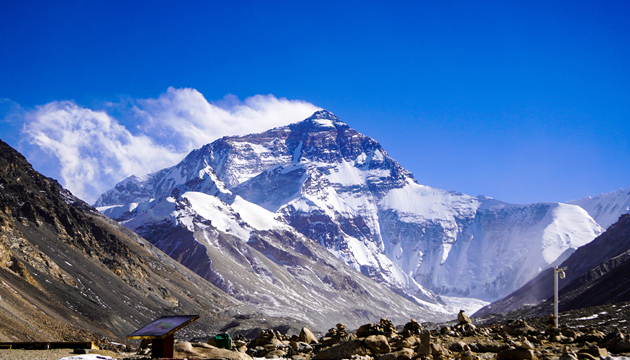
(54, 354)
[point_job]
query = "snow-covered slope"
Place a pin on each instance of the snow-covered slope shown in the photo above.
(241, 248)
(341, 189)
(606, 208)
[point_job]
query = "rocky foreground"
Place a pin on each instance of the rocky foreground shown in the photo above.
(508, 340)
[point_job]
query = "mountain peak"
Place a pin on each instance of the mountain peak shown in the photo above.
(324, 119)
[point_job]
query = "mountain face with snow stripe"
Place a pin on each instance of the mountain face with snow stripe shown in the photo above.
(242, 249)
(606, 208)
(341, 189)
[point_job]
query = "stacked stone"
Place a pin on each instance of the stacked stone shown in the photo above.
(515, 340)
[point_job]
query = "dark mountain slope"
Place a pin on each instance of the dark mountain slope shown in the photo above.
(598, 273)
(69, 273)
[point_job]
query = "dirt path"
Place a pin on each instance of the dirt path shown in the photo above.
(54, 354)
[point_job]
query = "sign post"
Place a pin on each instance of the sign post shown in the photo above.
(557, 272)
(161, 333)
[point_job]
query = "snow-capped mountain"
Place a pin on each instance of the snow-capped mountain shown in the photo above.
(341, 189)
(606, 208)
(241, 248)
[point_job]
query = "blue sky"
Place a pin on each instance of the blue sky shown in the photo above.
(523, 101)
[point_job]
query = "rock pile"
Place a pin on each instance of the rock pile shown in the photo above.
(513, 340)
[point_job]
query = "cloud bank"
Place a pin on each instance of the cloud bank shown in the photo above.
(93, 149)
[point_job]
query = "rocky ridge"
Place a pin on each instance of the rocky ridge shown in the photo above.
(69, 273)
(606, 208)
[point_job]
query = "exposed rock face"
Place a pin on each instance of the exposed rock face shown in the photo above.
(341, 189)
(69, 273)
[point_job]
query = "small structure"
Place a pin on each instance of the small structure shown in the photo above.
(161, 333)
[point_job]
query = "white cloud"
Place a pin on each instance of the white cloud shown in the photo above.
(94, 150)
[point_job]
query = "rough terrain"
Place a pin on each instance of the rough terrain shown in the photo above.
(69, 273)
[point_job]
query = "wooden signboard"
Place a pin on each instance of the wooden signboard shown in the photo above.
(161, 333)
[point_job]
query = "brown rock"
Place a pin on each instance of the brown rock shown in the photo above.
(517, 327)
(463, 318)
(516, 354)
(586, 356)
(618, 346)
(343, 350)
(568, 332)
(591, 336)
(183, 346)
(468, 355)
(595, 351)
(412, 328)
(437, 350)
(404, 354)
(377, 344)
(491, 347)
(301, 346)
(410, 342)
(330, 341)
(307, 336)
(568, 356)
(424, 348)
(558, 338)
(216, 353)
(276, 353)
(459, 346)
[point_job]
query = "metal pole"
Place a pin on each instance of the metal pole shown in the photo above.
(555, 294)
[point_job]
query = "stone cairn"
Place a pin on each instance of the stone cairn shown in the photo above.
(514, 340)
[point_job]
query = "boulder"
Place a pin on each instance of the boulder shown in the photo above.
(465, 329)
(330, 341)
(409, 342)
(516, 354)
(437, 350)
(568, 332)
(301, 346)
(491, 347)
(616, 341)
(276, 353)
(459, 346)
(343, 350)
(586, 356)
(265, 337)
(216, 353)
(307, 336)
(568, 356)
(377, 344)
(523, 343)
(468, 355)
(595, 351)
(404, 354)
(384, 327)
(184, 347)
(517, 327)
(412, 328)
(463, 318)
(591, 336)
(424, 348)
